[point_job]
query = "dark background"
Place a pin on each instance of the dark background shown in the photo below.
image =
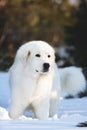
(58, 22)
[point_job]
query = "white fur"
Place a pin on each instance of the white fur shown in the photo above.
(34, 88)
(30, 86)
(72, 81)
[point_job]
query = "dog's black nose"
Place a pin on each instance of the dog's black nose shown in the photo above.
(46, 67)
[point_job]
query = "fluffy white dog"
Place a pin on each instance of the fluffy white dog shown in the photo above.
(35, 81)
(31, 80)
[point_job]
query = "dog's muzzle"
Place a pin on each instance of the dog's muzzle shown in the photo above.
(46, 67)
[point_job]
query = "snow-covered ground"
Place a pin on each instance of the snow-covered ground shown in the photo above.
(71, 112)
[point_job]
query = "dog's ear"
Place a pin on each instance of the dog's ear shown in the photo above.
(25, 56)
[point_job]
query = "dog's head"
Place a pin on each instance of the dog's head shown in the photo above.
(38, 56)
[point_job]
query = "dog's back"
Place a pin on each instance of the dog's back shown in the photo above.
(72, 81)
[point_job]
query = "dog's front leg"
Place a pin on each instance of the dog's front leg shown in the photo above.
(41, 109)
(16, 109)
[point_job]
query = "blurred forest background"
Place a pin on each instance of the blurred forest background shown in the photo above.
(62, 23)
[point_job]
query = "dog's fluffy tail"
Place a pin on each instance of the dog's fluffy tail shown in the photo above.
(72, 81)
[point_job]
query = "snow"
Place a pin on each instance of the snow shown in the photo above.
(71, 112)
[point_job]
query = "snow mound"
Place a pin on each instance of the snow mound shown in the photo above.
(3, 114)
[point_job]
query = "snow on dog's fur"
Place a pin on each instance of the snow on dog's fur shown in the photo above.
(35, 81)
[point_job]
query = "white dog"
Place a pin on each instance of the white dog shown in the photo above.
(35, 81)
(31, 79)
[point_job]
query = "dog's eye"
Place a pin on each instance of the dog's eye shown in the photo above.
(38, 55)
(49, 56)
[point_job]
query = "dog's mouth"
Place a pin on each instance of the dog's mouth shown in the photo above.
(37, 71)
(42, 72)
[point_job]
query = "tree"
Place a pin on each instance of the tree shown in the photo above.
(77, 35)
